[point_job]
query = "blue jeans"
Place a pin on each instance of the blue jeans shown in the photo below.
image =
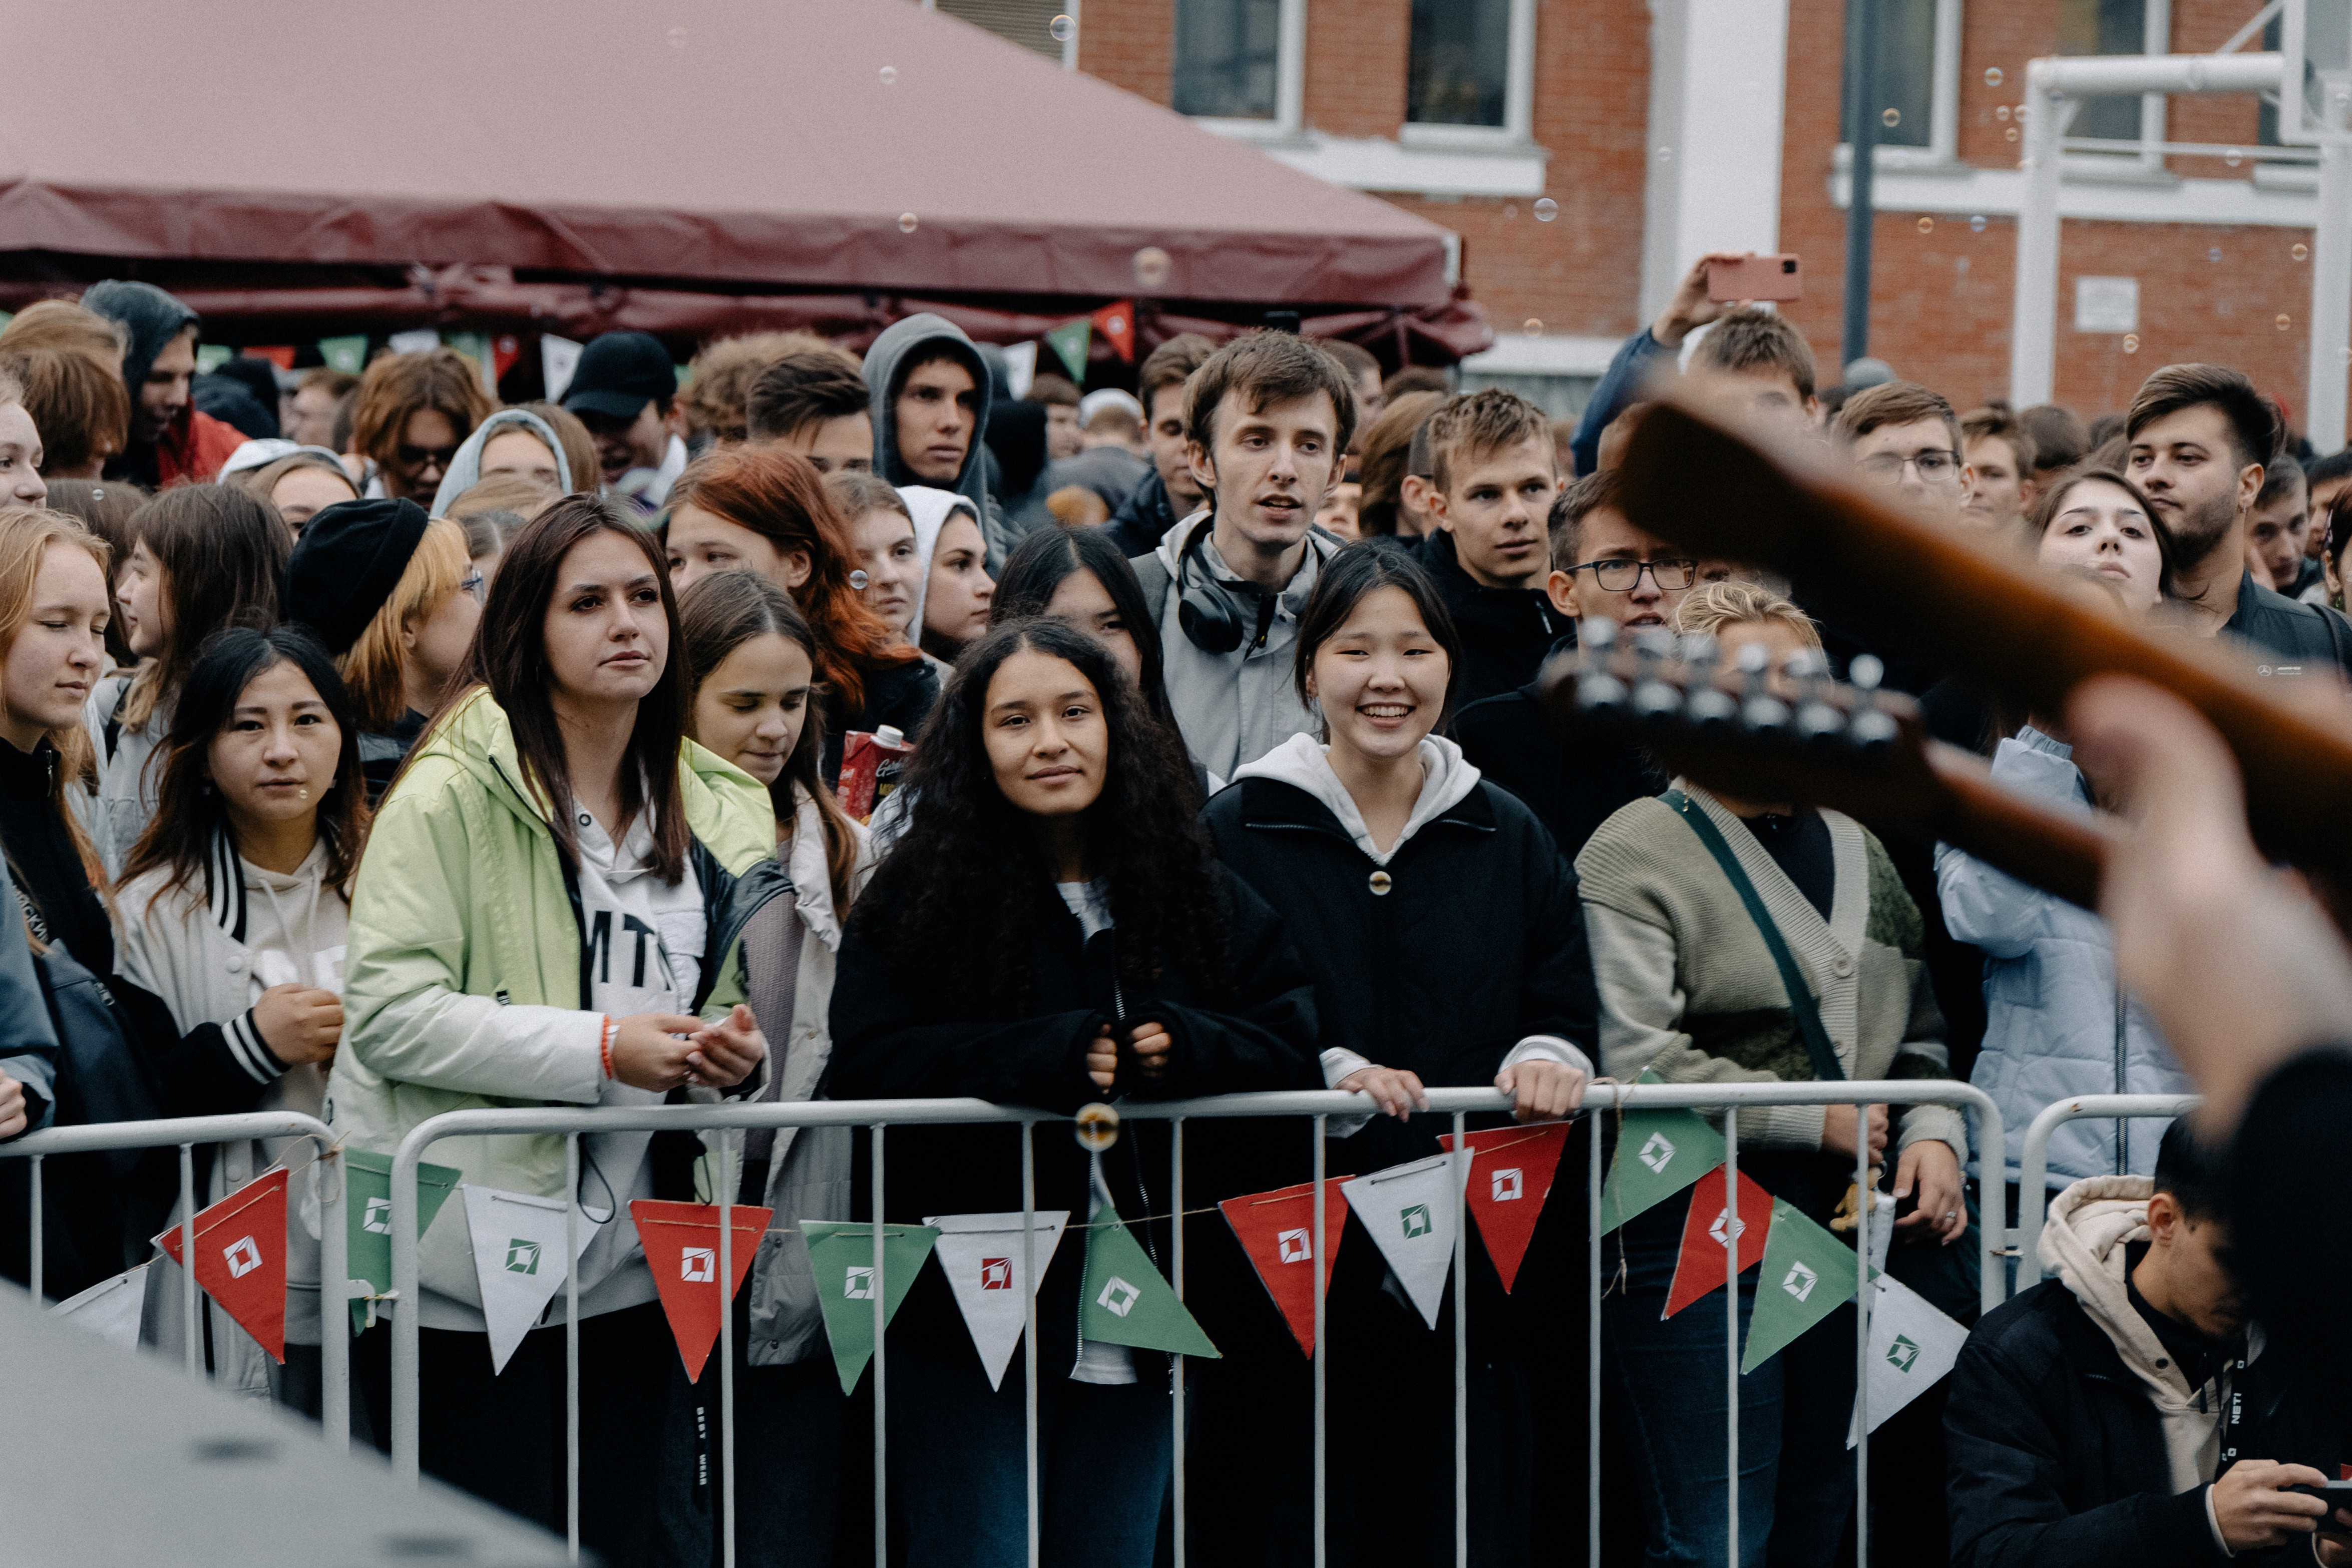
(1665, 1384)
(959, 1467)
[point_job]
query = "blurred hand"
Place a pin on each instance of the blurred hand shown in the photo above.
(1397, 1093)
(1943, 1212)
(12, 1107)
(1838, 1122)
(1690, 308)
(1544, 1091)
(726, 1053)
(299, 1023)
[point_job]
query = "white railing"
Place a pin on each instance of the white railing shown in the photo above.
(2034, 1160)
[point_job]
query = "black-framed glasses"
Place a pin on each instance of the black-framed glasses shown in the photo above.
(1934, 466)
(423, 456)
(1621, 576)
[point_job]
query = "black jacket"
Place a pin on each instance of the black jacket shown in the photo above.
(1144, 518)
(2057, 1455)
(1505, 632)
(897, 1034)
(1477, 941)
(2290, 635)
(1573, 782)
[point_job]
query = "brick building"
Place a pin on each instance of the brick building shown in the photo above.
(1664, 130)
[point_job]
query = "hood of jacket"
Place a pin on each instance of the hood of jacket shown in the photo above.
(2084, 1243)
(931, 508)
(1304, 763)
(899, 346)
(466, 467)
(151, 317)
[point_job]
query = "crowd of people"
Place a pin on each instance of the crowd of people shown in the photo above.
(409, 754)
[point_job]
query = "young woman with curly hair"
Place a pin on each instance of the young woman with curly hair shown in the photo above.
(1051, 931)
(764, 510)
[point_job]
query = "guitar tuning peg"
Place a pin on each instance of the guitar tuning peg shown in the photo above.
(1704, 704)
(1868, 729)
(1817, 721)
(1760, 713)
(1598, 691)
(1654, 696)
(1864, 671)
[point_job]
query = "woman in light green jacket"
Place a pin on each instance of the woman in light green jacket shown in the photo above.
(548, 915)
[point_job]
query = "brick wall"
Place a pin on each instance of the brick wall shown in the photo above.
(1130, 44)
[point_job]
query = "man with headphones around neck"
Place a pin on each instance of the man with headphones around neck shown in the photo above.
(1267, 417)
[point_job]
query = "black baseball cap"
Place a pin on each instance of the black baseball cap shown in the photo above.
(619, 374)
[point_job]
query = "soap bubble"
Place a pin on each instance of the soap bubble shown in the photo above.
(677, 37)
(2214, 254)
(1547, 209)
(1926, 226)
(889, 76)
(1891, 118)
(1665, 155)
(1152, 266)
(2283, 322)
(1534, 327)
(1510, 209)
(1064, 29)
(2301, 253)
(2001, 113)
(2009, 134)
(2131, 343)
(906, 222)
(1993, 76)
(1977, 224)
(858, 580)
(1097, 1127)
(2233, 157)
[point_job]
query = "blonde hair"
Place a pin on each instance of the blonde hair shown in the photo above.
(373, 670)
(26, 534)
(1712, 606)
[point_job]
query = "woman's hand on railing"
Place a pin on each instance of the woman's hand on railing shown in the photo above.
(12, 1107)
(299, 1023)
(1544, 1091)
(1930, 1166)
(727, 1052)
(1397, 1093)
(1838, 1124)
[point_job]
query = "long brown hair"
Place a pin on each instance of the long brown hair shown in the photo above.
(509, 656)
(722, 611)
(780, 497)
(224, 558)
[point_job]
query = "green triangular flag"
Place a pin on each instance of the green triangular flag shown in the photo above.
(210, 357)
(346, 354)
(1070, 340)
(1807, 1275)
(368, 1222)
(1126, 1302)
(1669, 1149)
(843, 1253)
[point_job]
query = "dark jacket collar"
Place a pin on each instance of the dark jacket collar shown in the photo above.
(1272, 804)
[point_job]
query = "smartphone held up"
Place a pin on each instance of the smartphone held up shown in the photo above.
(1779, 277)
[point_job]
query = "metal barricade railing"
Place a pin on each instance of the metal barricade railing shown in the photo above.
(184, 1133)
(2034, 1160)
(877, 1115)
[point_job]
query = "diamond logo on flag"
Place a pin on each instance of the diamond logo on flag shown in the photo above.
(857, 1284)
(377, 1216)
(1507, 1205)
(984, 1259)
(1296, 1246)
(996, 1274)
(1903, 1353)
(367, 1241)
(1801, 1281)
(1415, 1220)
(1119, 1296)
(1658, 1152)
(243, 1257)
(1738, 1227)
(522, 1256)
(697, 1264)
(1507, 1186)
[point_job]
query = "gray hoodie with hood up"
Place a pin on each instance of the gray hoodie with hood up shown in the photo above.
(901, 347)
(466, 467)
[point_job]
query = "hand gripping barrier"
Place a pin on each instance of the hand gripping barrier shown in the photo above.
(1319, 1105)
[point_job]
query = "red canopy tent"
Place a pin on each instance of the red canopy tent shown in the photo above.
(293, 167)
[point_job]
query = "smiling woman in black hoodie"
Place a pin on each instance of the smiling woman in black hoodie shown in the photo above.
(1051, 931)
(1447, 943)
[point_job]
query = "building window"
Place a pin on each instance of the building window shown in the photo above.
(1229, 58)
(1461, 63)
(1902, 77)
(2106, 27)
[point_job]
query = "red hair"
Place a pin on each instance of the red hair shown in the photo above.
(780, 497)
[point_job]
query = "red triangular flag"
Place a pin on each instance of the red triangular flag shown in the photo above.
(681, 1243)
(505, 349)
(281, 356)
(1277, 1230)
(1511, 1169)
(241, 1259)
(1698, 1270)
(1117, 323)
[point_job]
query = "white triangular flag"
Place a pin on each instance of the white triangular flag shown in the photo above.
(982, 1253)
(558, 358)
(1912, 1346)
(110, 1308)
(418, 341)
(519, 1260)
(1408, 1211)
(1020, 373)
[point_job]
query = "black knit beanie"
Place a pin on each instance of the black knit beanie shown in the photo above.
(346, 564)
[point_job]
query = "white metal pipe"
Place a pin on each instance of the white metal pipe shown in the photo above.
(2331, 300)
(2033, 1160)
(1731, 1331)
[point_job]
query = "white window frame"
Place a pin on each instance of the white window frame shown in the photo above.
(1289, 84)
(1943, 148)
(1518, 97)
(2145, 153)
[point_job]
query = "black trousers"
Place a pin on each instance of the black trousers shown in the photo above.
(502, 1436)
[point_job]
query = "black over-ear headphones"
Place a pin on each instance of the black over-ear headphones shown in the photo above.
(1218, 616)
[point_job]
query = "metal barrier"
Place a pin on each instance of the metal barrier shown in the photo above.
(1320, 1106)
(2034, 1160)
(186, 1133)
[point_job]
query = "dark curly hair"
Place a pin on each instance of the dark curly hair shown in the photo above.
(958, 893)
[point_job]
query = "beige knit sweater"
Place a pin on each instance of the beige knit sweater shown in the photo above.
(1689, 990)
